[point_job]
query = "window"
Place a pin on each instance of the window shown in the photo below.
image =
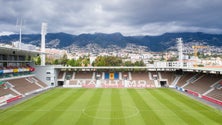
(48, 72)
(48, 78)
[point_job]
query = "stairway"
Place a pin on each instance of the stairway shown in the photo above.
(176, 80)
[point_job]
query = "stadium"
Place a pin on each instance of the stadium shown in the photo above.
(55, 94)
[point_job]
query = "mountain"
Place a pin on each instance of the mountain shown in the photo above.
(153, 43)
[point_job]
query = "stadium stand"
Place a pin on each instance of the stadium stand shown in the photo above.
(110, 79)
(141, 76)
(170, 76)
(16, 88)
(23, 86)
(216, 93)
(6, 91)
(84, 75)
(39, 82)
(203, 83)
(184, 78)
(17, 73)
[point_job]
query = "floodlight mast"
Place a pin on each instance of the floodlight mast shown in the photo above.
(19, 24)
(180, 51)
(43, 33)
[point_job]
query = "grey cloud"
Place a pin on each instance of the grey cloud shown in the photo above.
(131, 17)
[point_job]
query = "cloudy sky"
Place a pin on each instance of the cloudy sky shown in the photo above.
(130, 17)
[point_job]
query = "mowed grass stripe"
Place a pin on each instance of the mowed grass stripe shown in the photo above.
(71, 114)
(38, 114)
(39, 99)
(105, 102)
(19, 114)
(165, 113)
(60, 108)
(186, 116)
(206, 111)
(117, 114)
(136, 118)
(149, 117)
(194, 112)
(94, 101)
(198, 104)
(31, 102)
(70, 102)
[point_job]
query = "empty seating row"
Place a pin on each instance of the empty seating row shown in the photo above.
(22, 86)
(203, 84)
(183, 79)
(216, 93)
(139, 75)
(83, 75)
(6, 91)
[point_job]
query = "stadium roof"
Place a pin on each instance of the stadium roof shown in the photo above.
(10, 50)
(193, 69)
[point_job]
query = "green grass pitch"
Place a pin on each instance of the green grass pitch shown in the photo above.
(62, 106)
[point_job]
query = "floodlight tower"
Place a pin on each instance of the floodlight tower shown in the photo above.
(43, 33)
(19, 25)
(180, 51)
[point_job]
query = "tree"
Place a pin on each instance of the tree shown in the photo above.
(49, 60)
(64, 60)
(128, 63)
(82, 61)
(99, 61)
(139, 63)
(56, 62)
(85, 61)
(37, 60)
(107, 61)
